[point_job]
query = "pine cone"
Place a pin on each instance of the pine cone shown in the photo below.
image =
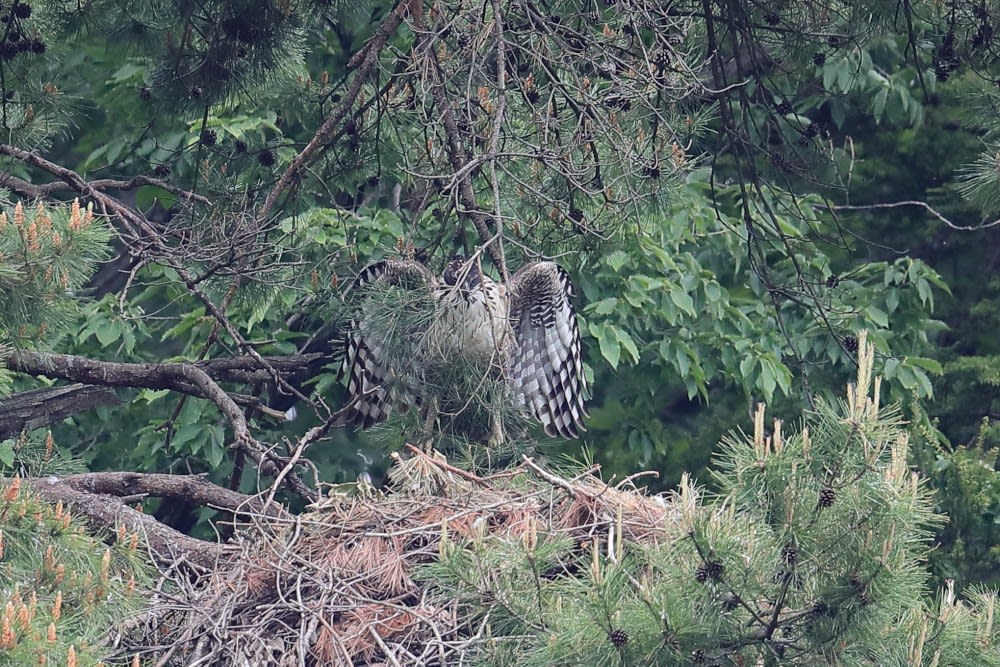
(618, 637)
(698, 656)
(789, 554)
(714, 569)
(266, 158)
(850, 343)
(827, 497)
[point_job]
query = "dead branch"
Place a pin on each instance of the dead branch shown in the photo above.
(39, 191)
(193, 488)
(457, 156)
(183, 377)
(105, 513)
(920, 204)
(38, 408)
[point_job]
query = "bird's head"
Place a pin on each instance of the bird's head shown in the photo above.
(461, 269)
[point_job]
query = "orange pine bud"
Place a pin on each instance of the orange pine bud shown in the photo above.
(57, 607)
(51, 633)
(105, 565)
(7, 636)
(71, 657)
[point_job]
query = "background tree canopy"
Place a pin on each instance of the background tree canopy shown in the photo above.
(738, 189)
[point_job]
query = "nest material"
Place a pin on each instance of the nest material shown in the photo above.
(336, 586)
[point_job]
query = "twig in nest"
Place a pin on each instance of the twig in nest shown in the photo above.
(555, 480)
(443, 465)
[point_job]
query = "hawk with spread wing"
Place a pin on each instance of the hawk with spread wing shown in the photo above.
(524, 332)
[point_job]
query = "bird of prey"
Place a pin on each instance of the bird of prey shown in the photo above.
(523, 332)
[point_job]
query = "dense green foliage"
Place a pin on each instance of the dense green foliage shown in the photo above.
(737, 190)
(808, 554)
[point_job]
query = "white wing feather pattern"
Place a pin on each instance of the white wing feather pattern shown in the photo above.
(547, 368)
(364, 362)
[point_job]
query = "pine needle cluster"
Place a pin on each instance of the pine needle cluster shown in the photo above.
(61, 588)
(46, 255)
(811, 551)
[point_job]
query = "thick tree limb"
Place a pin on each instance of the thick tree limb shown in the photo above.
(193, 488)
(246, 369)
(38, 408)
(36, 191)
(183, 377)
(105, 513)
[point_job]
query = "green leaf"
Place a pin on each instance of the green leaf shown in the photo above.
(147, 195)
(604, 306)
(766, 380)
(626, 341)
(924, 292)
(7, 453)
(877, 315)
(617, 260)
(610, 349)
(927, 364)
(682, 300)
(106, 333)
(878, 105)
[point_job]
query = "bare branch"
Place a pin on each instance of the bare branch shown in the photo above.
(37, 191)
(192, 488)
(922, 204)
(105, 513)
(38, 408)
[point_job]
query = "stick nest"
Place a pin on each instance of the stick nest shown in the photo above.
(336, 586)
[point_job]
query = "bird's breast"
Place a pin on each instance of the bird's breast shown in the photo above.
(473, 322)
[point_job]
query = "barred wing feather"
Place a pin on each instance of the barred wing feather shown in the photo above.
(364, 365)
(547, 368)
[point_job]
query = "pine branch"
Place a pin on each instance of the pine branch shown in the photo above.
(362, 64)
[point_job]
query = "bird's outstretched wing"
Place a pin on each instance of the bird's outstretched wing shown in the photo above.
(367, 362)
(546, 367)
